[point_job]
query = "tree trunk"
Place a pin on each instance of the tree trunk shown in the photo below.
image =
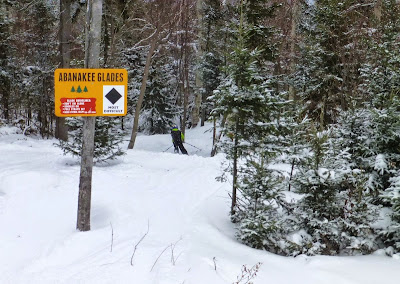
(5, 98)
(85, 181)
(186, 89)
(378, 10)
(216, 137)
(199, 80)
(65, 54)
(235, 168)
(293, 35)
(153, 45)
(6, 81)
(92, 54)
(197, 105)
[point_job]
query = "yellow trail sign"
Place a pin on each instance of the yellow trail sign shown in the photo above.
(90, 92)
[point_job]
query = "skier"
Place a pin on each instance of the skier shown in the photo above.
(177, 139)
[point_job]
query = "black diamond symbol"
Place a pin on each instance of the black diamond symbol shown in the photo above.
(113, 96)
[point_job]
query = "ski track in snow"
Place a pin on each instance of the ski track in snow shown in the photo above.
(175, 197)
(143, 192)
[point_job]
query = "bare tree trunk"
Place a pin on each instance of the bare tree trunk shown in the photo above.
(293, 35)
(217, 138)
(199, 81)
(197, 104)
(186, 89)
(378, 10)
(65, 54)
(322, 114)
(235, 168)
(5, 86)
(93, 34)
(153, 45)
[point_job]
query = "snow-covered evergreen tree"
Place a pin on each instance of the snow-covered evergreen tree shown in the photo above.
(107, 139)
(371, 135)
(6, 54)
(159, 110)
(133, 59)
(262, 211)
(333, 208)
(381, 73)
(330, 57)
(211, 57)
(385, 165)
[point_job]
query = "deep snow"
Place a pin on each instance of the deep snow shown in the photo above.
(169, 206)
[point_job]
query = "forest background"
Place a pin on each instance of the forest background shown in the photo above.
(314, 85)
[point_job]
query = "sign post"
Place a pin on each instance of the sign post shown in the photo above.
(89, 93)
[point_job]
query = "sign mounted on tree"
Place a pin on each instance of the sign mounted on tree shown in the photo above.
(90, 92)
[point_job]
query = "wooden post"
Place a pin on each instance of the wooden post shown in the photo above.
(92, 54)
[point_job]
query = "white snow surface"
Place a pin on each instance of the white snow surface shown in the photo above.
(156, 217)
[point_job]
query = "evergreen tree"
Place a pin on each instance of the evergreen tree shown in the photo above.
(158, 111)
(263, 212)
(211, 45)
(391, 233)
(380, 88)
(331, 55)
(38, 61)
(240, 100)
(107, 139)
(6, 53)
(254, 115)
(261, 224)
(371, 135)
(381, 73)
(333, 210)
(134, 60)
(384, 158)
(256, 14)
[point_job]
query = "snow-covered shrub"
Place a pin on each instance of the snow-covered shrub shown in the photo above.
(107, 139)
(333, 209)
(261, 207)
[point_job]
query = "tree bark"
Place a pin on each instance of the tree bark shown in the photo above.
(85, 181)
(92, 54)
(199, 80)
(186, 88)
(197, 104)
(153, 45)
(65, 54)
(378, 10)
(293, 35)
(235, 168)
(217, 138)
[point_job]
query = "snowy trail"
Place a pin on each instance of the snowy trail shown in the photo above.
(161, 189)
(175, 197)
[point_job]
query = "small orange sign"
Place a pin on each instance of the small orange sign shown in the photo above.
(90, 92)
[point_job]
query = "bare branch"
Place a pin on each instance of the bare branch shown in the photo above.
(159, 257)
(112, 237)
(173, 259)
(147, 38)
(141, 239)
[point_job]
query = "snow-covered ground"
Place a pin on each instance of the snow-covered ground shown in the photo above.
(157, 217)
